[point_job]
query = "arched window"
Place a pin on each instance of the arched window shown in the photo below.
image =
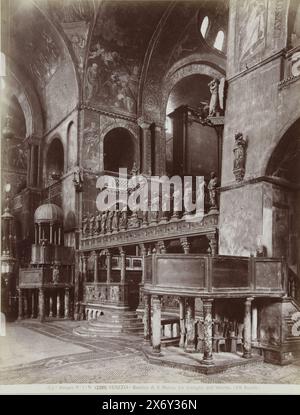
(204, 26)
(219, 40)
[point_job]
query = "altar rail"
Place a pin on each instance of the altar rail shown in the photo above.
(197, 275)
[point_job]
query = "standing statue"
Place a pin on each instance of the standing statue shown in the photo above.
(214, 105)
(92, 225)
(239, 152)
(109, 221)
(212, 190)
(134, 170)
(103, 222)
(115, 221)
(123, 219)
(84, 225)
(98, 222)
(55, 274)
(78, 179)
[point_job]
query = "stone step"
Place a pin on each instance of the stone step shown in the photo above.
(108, 325)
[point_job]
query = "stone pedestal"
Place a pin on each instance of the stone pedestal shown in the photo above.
(156, 324)
(147, 318)
(207, 326)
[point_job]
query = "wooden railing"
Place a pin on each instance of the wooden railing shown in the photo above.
(197, 275)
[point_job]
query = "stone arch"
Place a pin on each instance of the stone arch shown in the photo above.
(54, 153)
(132, 129)
(182, 70)
(281, 133)
(20, 86)
(119, 149)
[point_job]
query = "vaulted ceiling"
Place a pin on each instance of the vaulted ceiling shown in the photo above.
(55, 43)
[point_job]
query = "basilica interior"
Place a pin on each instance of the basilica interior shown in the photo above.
(206, 88)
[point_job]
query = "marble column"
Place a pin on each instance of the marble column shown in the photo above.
(247, 328)
(108, 268)
(190, 340)
(254, 323)
(41, 304)
(50, 305)
(67, 303)
(84, 267)
(51, 233)
(207, 326)
(143, 254)
(36, 234)
(32, 304)
(58, 304)
(146, 146)
(159, 151)
(20, 305)
(123, 265)
(182, 321)
(156, 323)
(96, 260)
(40, 233)
(147, 318)
(59, 235)
(26, 304)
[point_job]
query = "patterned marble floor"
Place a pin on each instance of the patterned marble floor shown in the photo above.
(35, 353)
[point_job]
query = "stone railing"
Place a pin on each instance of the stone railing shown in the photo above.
(116, 294)
(52, 254)
(45, 276)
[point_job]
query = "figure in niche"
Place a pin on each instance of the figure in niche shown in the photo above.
(92, 225)
(55, 274)
(212, 190)
(92, 83)
(214, 105)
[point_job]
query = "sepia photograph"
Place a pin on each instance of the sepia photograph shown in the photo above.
(150, 198)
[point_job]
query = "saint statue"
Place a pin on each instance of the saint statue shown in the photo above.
(214, 105)
(212, 189)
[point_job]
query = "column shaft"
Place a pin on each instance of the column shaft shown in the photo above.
(67, 303)
(254, 323)
(41, 304)
(190, 341)
(156, 324)
(108, 268)
(182, 321)
(147, 318)
(207, 325)
(20, 305)
(247, 329)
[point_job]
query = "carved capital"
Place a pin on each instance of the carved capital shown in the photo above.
(143, 123)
